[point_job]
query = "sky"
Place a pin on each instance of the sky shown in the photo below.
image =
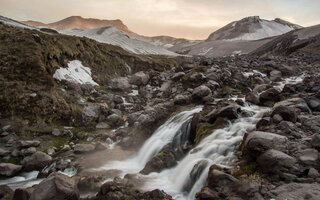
(192, 19)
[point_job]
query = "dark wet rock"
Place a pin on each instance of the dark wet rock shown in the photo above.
(181, 99)
(56, 186)
(21, 194)
(83, 148)
(262, 123)
(277, 118)
(259, 142)
(229, 112)
(314, 103)
(29, 143)
(274, 161)
(269, 96)
(139, 78)
(315, 141)
(8, 169)
(253, 97)
(5, 191)
(294, 191)
(207, 194)
(193, 127)
(287, 113)
(218, 178)
(36, 161)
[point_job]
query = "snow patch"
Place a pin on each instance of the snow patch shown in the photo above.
(75, 72)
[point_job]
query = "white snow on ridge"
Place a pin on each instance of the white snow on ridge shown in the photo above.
(13, 23)
(112, 36)
(268, 29)
(75, 72)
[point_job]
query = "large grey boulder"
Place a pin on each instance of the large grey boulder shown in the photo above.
(309, 157)
(83, 148)
(287, 113)
(121, 83)
(269, 96)
(258, 142)
(253, 97)
(181, 99)
(201, 92)
(218, 178)
(274, 161)
(8, 169)
(56, 187)
(295, 191)
(36, 161)
(90, 113)
(139, 78)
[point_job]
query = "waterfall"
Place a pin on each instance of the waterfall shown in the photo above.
(190, 175)
(171, 130)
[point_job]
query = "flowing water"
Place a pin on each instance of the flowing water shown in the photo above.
(173, 130)
(189, 176)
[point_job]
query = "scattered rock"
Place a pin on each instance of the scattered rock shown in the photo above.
(102, 125)
(201, 92)
(83, 148)
(181, 99)
(8, 169)
(29, 143)
(139, 78)
(287, 113)
(218, 178)
(56, 132)
(309, 157)
(36, 161)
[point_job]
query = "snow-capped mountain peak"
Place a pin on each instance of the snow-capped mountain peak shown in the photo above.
(253, 28)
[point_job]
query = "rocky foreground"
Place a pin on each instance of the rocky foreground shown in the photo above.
(50, 126)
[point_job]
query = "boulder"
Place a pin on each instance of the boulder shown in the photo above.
(313, 173)
(139, 78)
(29, 143)
(102, 125)
(83, 148)
(207, 194)
(57, 186)
(274, 161)
(295, 103)
(230, 112)
(201, 92)
(29, 151)
(269, 96)
(275, 75)
(309, 157)
(287, 113)
(218, 178)
(90, 113)
(4, 152)
(22, 194)
(259, 142)
(314, 103)
(114, 119)
(121, 83)
(36, 161)
(5, 192)
(177, 76)
(295, 191)
(8, 169)
(253, 97)
(315, 141)
(181, 99)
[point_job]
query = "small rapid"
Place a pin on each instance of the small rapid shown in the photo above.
(190, 175)
(175, 130)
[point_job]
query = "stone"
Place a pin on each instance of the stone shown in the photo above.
(201, 92)
(314, 103)
(270, 95)
(29, 143)
(230, 112)
(218, 178)
(207, 194)
(21, 194)
(36, 161)
(8, 169)
(253, 97)
(293, 191)
(29, 151)
(102, 125)
(275, 75)
(309, 156)
(4, 152)
(259, 142)
(126, 142)
(50, 151)
(181, 99)
(121, 83)
(83, 148)
(274, 161)
(90, 113)
(177, 76)
(113, 119)
(315, 141)
(139, 78)
(313, 173)
(5, 191)
(56, 186)
(56, 132)
(277, 118)
(287, 113)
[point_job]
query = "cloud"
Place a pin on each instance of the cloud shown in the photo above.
(180, 18)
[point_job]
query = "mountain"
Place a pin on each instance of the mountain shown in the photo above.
(303, 40)
(111, 35)
(78, 22)
(253, 28)
(239, 37)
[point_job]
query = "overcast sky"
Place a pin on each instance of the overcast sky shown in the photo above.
(193, 19)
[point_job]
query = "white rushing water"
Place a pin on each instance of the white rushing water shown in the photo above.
(291, 80)
(190, 175)
(23, 180)
(170, 131)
